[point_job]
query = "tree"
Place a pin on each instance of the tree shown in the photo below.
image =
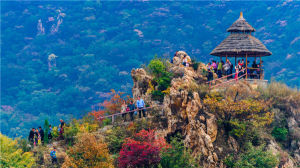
(143, 150)
(111, 106)
(256, 157)
(46, 129)
(88, 153)
(177, 156)
(12, 156)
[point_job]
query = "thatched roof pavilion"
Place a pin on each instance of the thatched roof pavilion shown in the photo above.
(240, 42)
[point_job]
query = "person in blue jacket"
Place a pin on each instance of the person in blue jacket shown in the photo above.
(53, 155)
(140, 104)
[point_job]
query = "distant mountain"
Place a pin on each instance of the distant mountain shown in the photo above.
(98, 43)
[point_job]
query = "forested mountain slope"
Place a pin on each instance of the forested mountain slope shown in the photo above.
(98, 43)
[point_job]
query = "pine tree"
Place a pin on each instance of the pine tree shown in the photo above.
(46, 128)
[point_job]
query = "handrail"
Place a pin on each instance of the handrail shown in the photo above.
(116, 114)
(229, 81)
(225, 76)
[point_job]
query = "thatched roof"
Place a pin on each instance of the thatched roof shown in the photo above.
(241, 25)
(240, 44)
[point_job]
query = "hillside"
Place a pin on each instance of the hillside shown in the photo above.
(98, 43)
(188, 126)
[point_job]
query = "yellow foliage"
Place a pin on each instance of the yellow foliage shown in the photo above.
(167, 91)
(151, 87)
(256, 111)
(12, 156)
(88, 153)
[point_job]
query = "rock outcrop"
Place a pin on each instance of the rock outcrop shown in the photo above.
(184, 110)
(186, 114)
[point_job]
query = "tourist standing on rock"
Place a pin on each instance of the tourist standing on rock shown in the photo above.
(41, 132)
(214, 65)
(141, 106)
(61, 129)
(226, 68)
(36, 137)
(62, 123)
(210, 72)
(53, 155)
(131, 107)
(123, 110)
(31, 136)
(220, 66)
(185, 61)
(50, 133)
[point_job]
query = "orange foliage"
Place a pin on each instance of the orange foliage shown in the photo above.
(111, 106)
(87, 152)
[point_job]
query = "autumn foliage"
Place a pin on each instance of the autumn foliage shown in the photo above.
(111, 106)
(87, 152)
(143, 150)
(256, 111)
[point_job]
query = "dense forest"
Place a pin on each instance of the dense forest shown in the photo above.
(60, 58)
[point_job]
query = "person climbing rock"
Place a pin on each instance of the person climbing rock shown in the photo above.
(31, 136)
(53, 155)
(41, 132)
(141, 106)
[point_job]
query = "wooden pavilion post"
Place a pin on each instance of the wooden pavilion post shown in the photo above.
(260, 68)
(246, 66)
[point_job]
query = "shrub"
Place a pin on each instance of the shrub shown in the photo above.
(256, 157)
(162, 78)
(87, 152)
(157, 67)
(157, 95)
(280, 94)
(238, 129)
(116, 136)
(71, 131)
(12, 156)
(24, 145)
(143, 150)
(55, 133)
(195, 64)
(255, 111)
(177, 156)
(280, 134)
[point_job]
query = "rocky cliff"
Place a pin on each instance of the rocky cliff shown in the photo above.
(186, 114)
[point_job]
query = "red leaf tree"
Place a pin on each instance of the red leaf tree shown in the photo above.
(143, 150)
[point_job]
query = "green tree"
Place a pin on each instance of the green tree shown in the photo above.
(46, 129)
(12, 156)
(253, 157)
(177, 156)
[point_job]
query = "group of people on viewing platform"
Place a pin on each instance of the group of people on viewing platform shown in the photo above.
(227, 69)
(132, 108)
